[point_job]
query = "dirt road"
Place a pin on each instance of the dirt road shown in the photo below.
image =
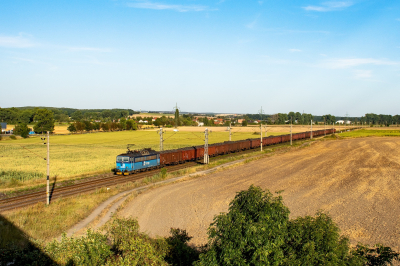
(356, 181)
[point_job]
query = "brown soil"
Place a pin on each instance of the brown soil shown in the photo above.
(356, 181)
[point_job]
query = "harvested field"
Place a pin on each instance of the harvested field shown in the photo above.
(356, 181)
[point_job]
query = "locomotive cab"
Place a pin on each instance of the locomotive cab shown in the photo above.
(136, 161)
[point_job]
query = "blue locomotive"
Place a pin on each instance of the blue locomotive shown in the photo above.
(137, 161)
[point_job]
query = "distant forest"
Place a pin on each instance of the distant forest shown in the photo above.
(26, 115)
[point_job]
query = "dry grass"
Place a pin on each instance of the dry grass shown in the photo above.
(46, 222)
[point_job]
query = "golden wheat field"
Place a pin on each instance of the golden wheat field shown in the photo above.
(71, 156)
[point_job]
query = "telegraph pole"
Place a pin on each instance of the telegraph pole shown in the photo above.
(311, 130)
(206, 158)
(261, 136)
(291, 131)
(161, 139)
(48, 169)
(324, 126)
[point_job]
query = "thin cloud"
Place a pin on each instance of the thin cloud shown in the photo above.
(15, 42)
(329, 6)
(252, 24)
(88, 49)
(295, 50)
(160, 6)
(353, 62)
(362, 74)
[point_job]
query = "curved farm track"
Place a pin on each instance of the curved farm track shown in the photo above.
(357, 181)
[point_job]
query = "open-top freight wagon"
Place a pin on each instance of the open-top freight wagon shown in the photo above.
(137, 161)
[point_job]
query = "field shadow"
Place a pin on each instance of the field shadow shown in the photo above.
(16, 247)
(52, 188)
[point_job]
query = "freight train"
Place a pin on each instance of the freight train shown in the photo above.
(137, 161)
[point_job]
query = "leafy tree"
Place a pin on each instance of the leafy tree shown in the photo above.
(105, 126)
(71, 128)
(77, 115)
(79, 126)
(253, 232)
(179, 252)
(244, 123)
(257, 231)
(131, 125)
(22, 130)
(44, 121)
(96, 125)
(88, 126)
(26, 116)
(329, 119)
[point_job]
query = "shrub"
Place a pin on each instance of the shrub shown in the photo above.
(132, 247)
(91, 249)
(13, 137)
(179, 252)
(22, 130)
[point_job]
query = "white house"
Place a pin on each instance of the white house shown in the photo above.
(200, 124)
(348, 122)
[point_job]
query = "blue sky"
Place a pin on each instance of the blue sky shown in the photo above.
(222, 56)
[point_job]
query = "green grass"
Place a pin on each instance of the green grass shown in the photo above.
(73, 156)
(370, 133)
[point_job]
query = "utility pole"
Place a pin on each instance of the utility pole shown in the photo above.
(177, 115)
(230, 132)
(311, 130)
(160, 131)
(206, 158)
(261, 136)
(261, 113)
(48, 169)
(291, 131)
(325, 126)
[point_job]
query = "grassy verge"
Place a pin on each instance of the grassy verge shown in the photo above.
(370, 133)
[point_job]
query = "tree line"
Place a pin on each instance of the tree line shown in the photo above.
(26, 115)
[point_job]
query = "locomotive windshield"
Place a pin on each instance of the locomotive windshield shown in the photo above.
(122, 159)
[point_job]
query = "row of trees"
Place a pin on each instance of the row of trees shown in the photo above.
(26, 115)
(105, 126)
(281, 118)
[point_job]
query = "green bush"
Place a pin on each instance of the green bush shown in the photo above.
(91, 249)
(132, 247)
(13, 137)
(179, 252)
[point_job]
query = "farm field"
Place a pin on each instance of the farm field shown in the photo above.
(71, 156)
(355, 180)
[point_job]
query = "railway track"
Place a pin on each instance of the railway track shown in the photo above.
(40, 196)
(92, 185)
